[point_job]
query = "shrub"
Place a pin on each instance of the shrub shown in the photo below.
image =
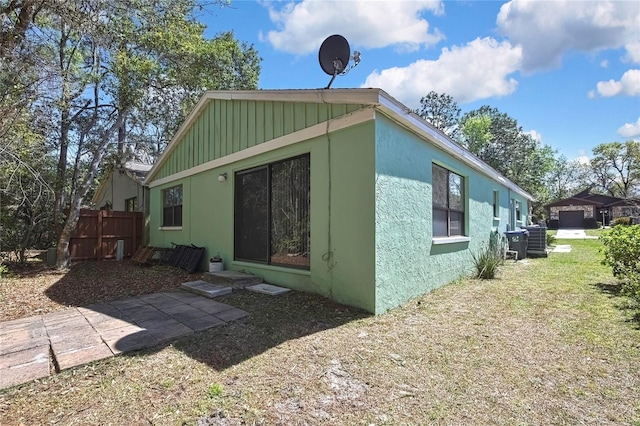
(625, 221)
(622, 253)
(590, 223)
(551, 239)
(490, 258)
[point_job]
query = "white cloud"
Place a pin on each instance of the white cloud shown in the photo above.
(477, 70)
(535, 135)
(547, 29)
(633, 51)
(303, 26)
(629, 85)
(583, 159)
(604, 64)
(630, 130)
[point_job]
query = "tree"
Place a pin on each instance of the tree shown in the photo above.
(565, 178)
(442, 112)
(615, 168)
(100, 62)
(498, 140)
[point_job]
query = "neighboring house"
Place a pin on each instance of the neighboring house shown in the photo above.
(341, 192)
(122, 188)
(584, 209)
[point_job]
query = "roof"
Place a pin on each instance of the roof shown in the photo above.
(599, 200)
(377, 99)
(135, 171)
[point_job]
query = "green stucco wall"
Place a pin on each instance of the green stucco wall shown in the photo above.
(342, 216)
(408, 263)
(371, 232)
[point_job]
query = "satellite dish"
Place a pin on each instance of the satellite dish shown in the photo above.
(334, 56)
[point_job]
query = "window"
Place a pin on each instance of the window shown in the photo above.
(272, 204)
(496, 204)
(448, 202)
(131, 204)
(172, 206)
(518, 210)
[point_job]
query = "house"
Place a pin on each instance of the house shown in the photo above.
(585, 209)
(122, 188)
(341, 192)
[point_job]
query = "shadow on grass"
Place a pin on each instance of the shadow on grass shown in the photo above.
(272, 320)
(614, 290)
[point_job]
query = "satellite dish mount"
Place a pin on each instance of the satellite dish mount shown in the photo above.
(334, 56)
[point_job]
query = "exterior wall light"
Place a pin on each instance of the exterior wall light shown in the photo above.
(222, 177)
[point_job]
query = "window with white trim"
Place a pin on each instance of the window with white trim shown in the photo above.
(172, 206)
(448, 202)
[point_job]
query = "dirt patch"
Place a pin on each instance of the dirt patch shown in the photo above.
(34, 288)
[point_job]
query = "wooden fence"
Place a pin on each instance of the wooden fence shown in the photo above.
(98, 231)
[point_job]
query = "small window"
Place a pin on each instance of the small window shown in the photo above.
(448, 202)
(518, 210)
(496, 204)
(131, 204)
(172, 206)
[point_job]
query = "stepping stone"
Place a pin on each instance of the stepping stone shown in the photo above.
(206, 289)
(562, 248)
(234, 279)
(273, 290)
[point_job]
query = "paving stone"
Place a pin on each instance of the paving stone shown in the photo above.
(105, 322)
(203, 323)
(211, 306)
(184, 296)
(24, 366)
(268, 289)
(170, 331)
(129, 338)
(21, 339)
(184, 311)
(232, 314)
(24, 357)
(148, 315)
(21, 324)
(160, 300)
(74, 342)
(56, 319)
(73, 358)
(101, 309)
(206, 289)
(123, 304)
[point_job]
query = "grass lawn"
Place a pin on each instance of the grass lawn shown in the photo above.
(548, 342)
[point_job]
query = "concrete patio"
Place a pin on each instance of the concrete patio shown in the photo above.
(38, 346)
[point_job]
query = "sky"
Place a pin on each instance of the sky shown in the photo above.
(567, 71)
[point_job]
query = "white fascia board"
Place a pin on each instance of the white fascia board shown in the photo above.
(357, 117)
(407, 118)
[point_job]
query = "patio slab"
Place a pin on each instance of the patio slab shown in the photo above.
(77, 336)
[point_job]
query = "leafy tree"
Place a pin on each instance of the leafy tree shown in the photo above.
(499, 141)
(615, 168)
(100, 63)
(565, 178)
(442, 112)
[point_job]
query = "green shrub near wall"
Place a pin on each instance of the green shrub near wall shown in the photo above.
(622, 253)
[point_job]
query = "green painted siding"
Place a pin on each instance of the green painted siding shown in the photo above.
(342, 216)
(371, 202)
(228, 126)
